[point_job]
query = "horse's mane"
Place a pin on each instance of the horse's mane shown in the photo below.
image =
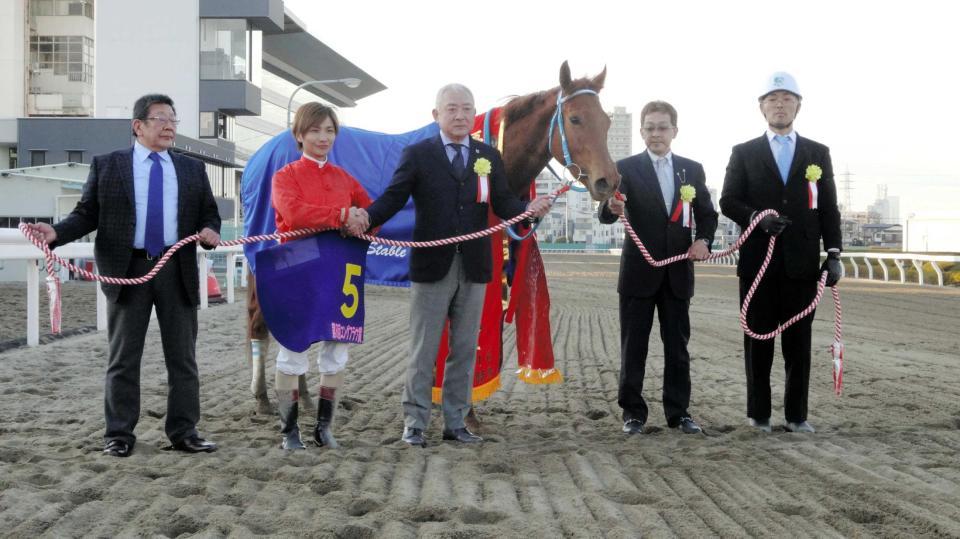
(524, 105)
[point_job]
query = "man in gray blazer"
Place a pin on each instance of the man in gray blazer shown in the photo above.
(142, 200)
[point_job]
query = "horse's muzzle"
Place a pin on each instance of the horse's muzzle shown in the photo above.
(603, 188)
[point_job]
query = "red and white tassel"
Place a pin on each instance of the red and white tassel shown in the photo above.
(53, 294)
(812, 195)
(836, 349)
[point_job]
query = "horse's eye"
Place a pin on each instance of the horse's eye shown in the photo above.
(575, 120)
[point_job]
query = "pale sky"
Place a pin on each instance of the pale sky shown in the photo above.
(880, 81)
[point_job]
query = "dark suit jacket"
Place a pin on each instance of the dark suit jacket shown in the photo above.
(107, 206)
(649, 219)
(753, 184)
(446, 206)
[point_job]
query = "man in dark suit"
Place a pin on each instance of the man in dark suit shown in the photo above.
(142, 200)
(453, 179)
(794, 176)
(662, 191)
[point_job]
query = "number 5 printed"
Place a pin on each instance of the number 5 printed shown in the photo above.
(350, 290)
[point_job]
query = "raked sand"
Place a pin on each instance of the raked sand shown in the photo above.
(884, 460)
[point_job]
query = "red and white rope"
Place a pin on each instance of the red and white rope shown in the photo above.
(50, 256)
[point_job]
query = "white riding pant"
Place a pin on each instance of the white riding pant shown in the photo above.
(331, 359)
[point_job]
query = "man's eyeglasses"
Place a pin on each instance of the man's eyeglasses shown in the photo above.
(164, 121)
(651, 129)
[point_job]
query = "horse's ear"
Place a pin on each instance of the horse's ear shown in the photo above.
(597, 82)
(565, 79)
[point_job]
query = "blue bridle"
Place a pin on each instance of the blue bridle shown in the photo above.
(557, 121)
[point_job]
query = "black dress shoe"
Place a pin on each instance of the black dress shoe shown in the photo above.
(414, 437)
(461, 435)
(195, 444)
(633, 426)
(118, 448)
(688, 426)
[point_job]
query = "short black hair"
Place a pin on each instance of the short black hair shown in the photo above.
(142, 107)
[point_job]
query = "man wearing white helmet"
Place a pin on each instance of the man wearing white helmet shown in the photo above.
(794, 176)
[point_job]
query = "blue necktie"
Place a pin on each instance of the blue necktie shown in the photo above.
(783, 157)
(458, 164)
(153, 238)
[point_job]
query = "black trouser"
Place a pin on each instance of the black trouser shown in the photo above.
(127, 322)
(636, 320)
(777, 299)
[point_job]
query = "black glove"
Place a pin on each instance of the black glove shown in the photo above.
(833, 267)
(774, 225)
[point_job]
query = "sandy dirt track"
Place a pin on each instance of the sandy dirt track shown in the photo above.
(884, 461)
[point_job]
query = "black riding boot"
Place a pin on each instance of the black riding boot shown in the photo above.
(288, 408)
(323, 434)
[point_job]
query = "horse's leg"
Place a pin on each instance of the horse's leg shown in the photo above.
(306, 401)
(258, 347)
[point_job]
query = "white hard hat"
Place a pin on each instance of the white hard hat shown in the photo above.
(781, 80)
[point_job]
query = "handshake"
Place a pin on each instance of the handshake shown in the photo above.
(358, 221)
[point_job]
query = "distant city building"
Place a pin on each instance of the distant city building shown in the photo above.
(620, 135)
(885, 209)
(883, 235)
(873, 226)
(851, 227)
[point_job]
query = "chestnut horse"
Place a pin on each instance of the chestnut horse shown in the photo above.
(566, 123)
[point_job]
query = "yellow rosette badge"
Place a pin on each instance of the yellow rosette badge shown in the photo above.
(813, 173)
(482, 166)
(687, 193)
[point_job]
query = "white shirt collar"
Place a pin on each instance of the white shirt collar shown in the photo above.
(317, 161)
(141, 153)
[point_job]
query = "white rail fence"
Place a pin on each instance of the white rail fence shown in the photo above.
(14, 247)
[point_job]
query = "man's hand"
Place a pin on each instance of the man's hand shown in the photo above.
(45, 230)
(616, 206)
(539, 206)
(209, 238)
(698, 250)
(833, 267)
(773, 225)
(358, 221)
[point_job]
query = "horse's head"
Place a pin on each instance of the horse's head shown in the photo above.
(585, 126)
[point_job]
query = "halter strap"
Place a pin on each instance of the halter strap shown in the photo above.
(558, 121)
